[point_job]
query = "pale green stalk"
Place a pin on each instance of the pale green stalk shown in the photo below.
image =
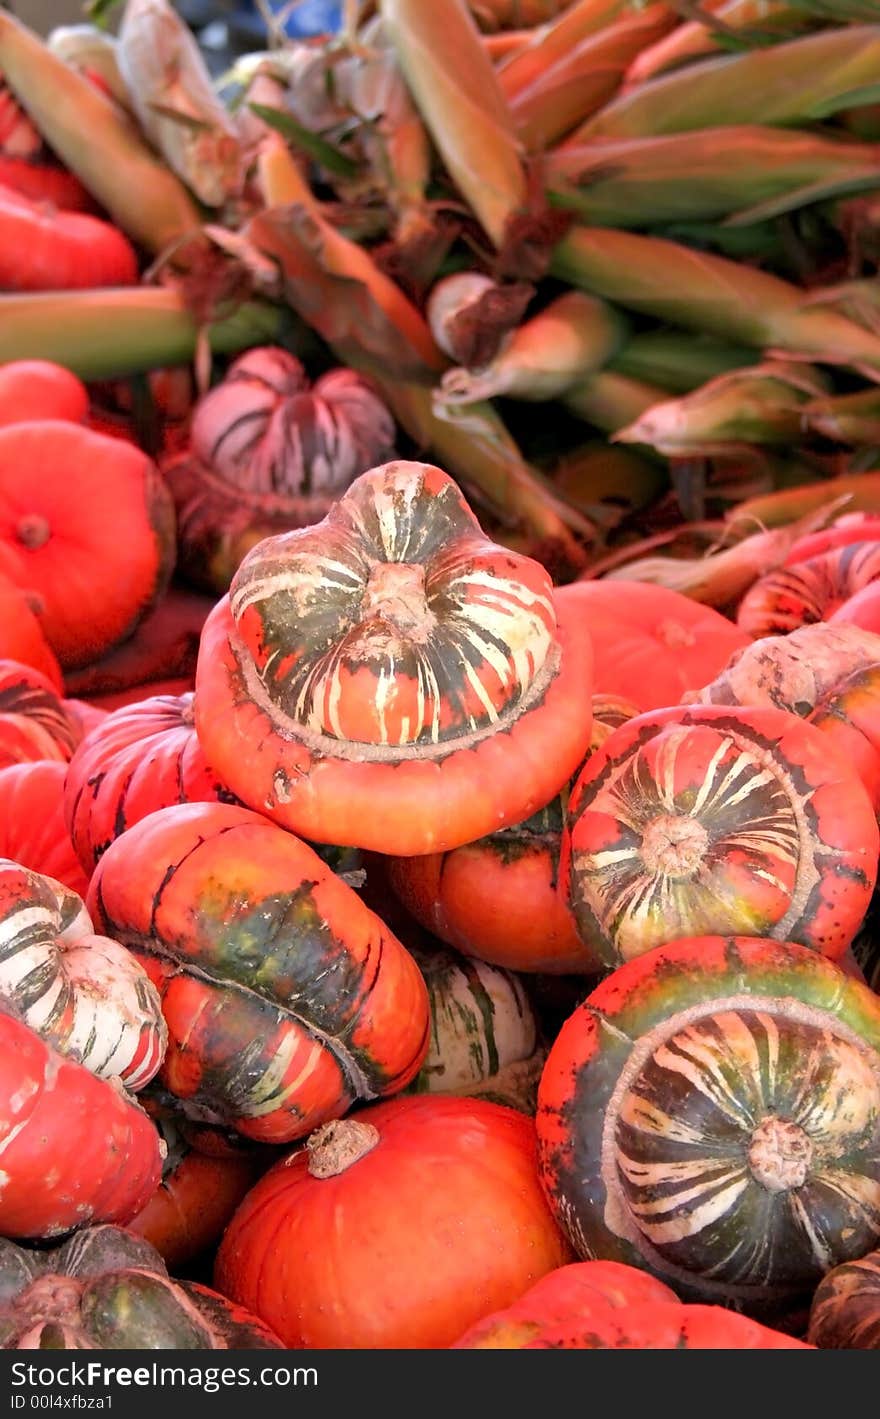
(677, 361)
(761, 405)
(579, 83)
(110, 333)
(455, 88)
(609, 401)
(572, 337)
(796, 82)
(704, 292)
(99, 144)
(859, 301)
(742, 173)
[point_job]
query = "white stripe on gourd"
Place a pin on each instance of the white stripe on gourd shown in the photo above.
(83, 992)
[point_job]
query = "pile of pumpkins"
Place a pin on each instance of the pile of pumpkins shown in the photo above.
(458, 960)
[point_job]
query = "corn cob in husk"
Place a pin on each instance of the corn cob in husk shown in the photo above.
(578, 84)
(676, 361)
(331, 282)
(744, 173)
(86, 130)
(611, 401)
(698, 38)
(109, 334)
(554, 41)
(571, 338)
(761, 405)
(704, 292)
(92, 52)
(848, 418)
(172, 95)
(798, 81)
(456, 91)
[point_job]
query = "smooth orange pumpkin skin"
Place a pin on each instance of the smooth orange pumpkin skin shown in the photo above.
(192, 1205)
(22, 636)
(650, 644)
(563, 1296)
(87, 524)
(512, 918)
(32, 826)
(659, 1325)
(442, 1222)
(40, 389)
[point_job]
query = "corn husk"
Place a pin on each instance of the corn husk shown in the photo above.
(607, 481)
(109, 333)
(171, 92)
(858, 301)
(744, 173)
(505, 43)
(456, 91)
(555, 41)
(852, 419)
(474, 446)
(722, 577)
(577, 85)
(676, 361)
(799, 81)
(571, 338)
(611, 401)
(87, 132)
(850, 492)
(91, 51)
(332, 282)
(697, 38)
(761, 405)
(701, 291)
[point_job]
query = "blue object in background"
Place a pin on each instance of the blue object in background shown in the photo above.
(310, 17)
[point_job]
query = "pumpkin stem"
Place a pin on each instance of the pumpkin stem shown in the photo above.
(780, 1153)
(335, 1146)
(33, 530)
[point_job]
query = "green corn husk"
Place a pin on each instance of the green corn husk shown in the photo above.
(760, 405)
(555, 41)
(607, 481)
(851, 492)
(697, 38)
(571, 338)
(332, 282)
(172, 95)
(852, 419)
(743, 173)
(90, 50)
(704, 292)
(611, 401)
(473, 445)
(456, 91)
(575, 86)
(799, 81)
(87, 132)
(110, 333)
(677, 362)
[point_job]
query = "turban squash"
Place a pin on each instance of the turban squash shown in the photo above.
(286, 999)
(390, 678)
(711, 1113)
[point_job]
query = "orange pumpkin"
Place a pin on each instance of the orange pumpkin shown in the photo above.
(398, 1228)
(88, 525)
(34, 722)
(40, 389)
(33, 830)
(22, 636)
